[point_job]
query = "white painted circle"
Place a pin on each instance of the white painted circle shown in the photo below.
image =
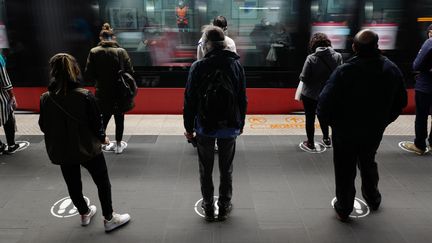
(64, 208)
(405, 149)
(360, 210)
(22, 145)
(200, 211)
(319, 148)
(110, 147)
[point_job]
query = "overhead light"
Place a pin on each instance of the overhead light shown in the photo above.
(424, 19)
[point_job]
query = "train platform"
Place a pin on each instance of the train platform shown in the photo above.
(281, 194)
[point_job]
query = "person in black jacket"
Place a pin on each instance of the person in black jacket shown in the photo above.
(73, 129)
(217, 61)
(361, 98)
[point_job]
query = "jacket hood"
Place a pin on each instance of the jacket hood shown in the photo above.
(108, 44)
(223, 53)
(323, 51)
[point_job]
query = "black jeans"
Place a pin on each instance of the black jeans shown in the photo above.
(310, 106)
(99, 172)
(206, 152)
(423, 108)
(348, 153)
(9, 129)
(119, 124)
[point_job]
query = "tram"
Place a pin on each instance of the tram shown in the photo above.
(161, 37)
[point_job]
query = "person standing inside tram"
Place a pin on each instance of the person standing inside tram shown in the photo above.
(361, 98)
(221, 22)
(423, 97)
(316, 70)
(73, 132)
(215, 109)
(103, 65)
(8, 104)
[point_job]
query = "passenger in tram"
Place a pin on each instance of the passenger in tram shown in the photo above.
(361, 98)
(423, 96)
(316, 70)
(260, 37)
(221, 22)
(281, 43)
(8, 104)
(73, 131)
(215, 109)
(103, 67)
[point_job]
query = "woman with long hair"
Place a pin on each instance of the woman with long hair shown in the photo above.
(317, 69)
(103, 65)
(73, 129)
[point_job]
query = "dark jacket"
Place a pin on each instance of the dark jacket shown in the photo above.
(73, 138)
(225, 60)
(423, 64)
(362, 97)
(102, 67)
(317, 69)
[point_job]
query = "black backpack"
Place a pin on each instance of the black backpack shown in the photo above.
(126, 89)
(217, 105)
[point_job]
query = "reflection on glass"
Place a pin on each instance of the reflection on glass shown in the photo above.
(166, 32)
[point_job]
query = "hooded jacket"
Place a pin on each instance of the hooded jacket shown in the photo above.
(317, 69)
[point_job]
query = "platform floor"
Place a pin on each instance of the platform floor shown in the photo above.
(281, 194)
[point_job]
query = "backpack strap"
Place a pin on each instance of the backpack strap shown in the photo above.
(120, 59)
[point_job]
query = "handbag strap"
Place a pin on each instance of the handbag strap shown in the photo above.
(62, 109)
(120, 59)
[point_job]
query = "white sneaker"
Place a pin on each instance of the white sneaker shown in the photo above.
(86, 218)
(116, 221)
(118, 148)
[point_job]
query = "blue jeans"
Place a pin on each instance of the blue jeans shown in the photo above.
(206, 152)
(423, 108)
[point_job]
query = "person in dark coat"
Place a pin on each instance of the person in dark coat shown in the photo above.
(73, 132)
(102, 67)
(224, 133)
(316, 70)
(361, 98)
(423, 96)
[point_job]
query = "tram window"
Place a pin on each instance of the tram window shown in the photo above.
(384, 17)
(333, 18)
(166, 32)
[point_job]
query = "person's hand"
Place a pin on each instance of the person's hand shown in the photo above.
(14, 103)
(189, 135)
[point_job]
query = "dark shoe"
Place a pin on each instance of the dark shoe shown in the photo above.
(12, 149)
(339, 215)
(327, 142)
(2, 148)
(224, 211)
(373, 204)
(208, 212)
(308, 146)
